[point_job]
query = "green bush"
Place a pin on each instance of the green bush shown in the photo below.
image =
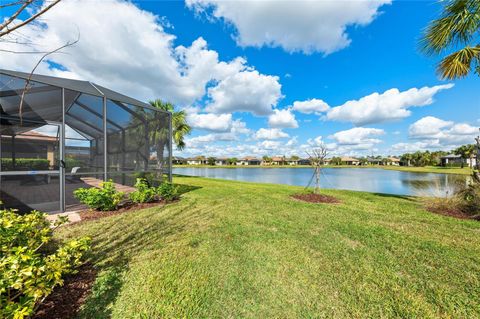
(25, 164)
(28, 272)
(167, 191)
(144, 192)
(104, 198)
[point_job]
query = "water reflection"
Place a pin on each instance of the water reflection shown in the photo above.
(364, 179)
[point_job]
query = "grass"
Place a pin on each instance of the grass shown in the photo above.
(425, 169)
(244, 250)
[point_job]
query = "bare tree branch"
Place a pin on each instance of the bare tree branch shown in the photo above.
(4, 29)
(317, 158)
(27, 82)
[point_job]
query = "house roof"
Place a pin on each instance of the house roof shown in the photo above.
(349, 159)
(394, 159)
(34, 136)
(451, 156)
(78, 85)
(277, 158)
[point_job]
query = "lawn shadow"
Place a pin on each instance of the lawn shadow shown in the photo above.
(183, 189)
(405, 197)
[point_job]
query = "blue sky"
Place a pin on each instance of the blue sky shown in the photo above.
(274, 78)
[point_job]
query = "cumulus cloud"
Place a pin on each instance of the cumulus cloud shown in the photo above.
(387, 106)
(270, 134)
(306, 26)
(282, 119)
(442, 134)
(358, 137)
(128, 49)
(212, 122)
(246, 91)
(316, 106)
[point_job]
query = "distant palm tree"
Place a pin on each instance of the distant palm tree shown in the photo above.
(467, 152)
(180, 127)
(458, 29)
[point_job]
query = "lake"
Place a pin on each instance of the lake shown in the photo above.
(373, 180)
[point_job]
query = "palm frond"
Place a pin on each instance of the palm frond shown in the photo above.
(459, 64)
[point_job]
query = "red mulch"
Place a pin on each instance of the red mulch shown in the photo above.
(65, 301)
(95, 214)
(316, 198)
(452, 212)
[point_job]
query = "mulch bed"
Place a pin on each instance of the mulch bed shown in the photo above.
(91, 214)
(452, 213)
(65, 301)
(316, 198)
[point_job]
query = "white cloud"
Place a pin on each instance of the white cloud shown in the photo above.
(358, 137)
(127, 49)
(437, 133)
(387, 106)
(428, 126)
(246, 91)
(306, 26)
(282, 119)
(316, 106)
(270, 134)
(212, 122)
(270, 145)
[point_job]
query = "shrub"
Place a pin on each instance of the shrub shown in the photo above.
(23, 164)
(28, 273)
(167, 191)
(144, 193)
(104, 198)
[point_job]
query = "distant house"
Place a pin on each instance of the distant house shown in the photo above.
(291, 161)
(456, 160)
(278, 160)
(393, 161)
(249, 160)
(177, 160)
(221, 161)
(199, 160)
(303, 161)
(349, 161)
(375, 161)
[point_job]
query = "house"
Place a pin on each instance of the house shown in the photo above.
(292, 161)
(349, 161)
(221, 161)
(249, 160)
(457, 160)
(375, 161)
(199, 160)
(304, 161)
(278, 160)
(393, 161)
(177, 160)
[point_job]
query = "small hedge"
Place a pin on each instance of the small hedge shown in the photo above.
(104, 198)
(28, 271)
(25, 164)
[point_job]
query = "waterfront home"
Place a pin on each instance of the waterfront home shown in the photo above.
(278, 160)
(457, 160)
(375, 161)
(221, 161)
(177, 160)
(292, 161)
(304, 161)
(349, 161)
(249, 160)
(199, 160)
(393, 161)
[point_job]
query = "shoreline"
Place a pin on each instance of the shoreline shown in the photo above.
(426, 169)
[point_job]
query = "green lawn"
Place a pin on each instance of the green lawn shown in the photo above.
(425, 169)
(244, 250)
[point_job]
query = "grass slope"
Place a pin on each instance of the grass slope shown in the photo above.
(234, 249)
(425, 169)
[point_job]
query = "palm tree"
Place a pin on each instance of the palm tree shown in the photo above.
(466, 152)
(458, 29)
(180, 127)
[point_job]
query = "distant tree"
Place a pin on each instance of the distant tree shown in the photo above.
(267, 159)
(211, 161)
(466, 152)
(363, 161)
(294, 158)
(336, 161)
(232, 161)
(457, 27)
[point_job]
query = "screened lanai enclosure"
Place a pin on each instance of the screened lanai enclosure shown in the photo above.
(58, 135)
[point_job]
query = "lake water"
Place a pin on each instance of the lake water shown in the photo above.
(373, 180)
